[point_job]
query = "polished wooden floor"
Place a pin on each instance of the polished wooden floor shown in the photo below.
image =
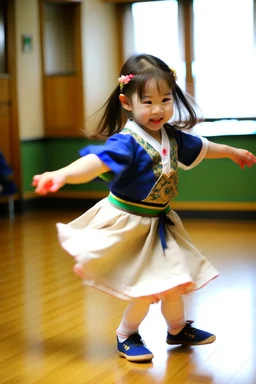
(53, 330)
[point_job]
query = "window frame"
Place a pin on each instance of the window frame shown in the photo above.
(187, 37)
(186, 31)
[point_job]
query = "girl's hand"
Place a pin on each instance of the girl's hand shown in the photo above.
(48, 182)
(243, 157)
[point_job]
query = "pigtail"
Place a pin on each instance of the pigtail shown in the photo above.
(112, 120)
(187, 113)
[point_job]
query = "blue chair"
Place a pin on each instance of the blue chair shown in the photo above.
(7, 186)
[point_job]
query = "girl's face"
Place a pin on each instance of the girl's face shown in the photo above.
(154, 109)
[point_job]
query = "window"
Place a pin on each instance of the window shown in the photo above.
(221, 45)
(224, 58)
(158, 33)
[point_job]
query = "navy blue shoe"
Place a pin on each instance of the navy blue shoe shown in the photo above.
(190, 336)
(134, 349)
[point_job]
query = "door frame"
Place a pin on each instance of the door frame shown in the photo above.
(15, 162)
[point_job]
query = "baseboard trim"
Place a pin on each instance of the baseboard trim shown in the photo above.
(176, 205)
(81, 201)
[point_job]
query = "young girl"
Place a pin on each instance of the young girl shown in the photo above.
(131, 244)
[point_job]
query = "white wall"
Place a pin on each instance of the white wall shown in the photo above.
(99, 41)
(2, 41)
(29, 81)
(99, 51)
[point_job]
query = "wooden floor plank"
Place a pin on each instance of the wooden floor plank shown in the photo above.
(55, 330)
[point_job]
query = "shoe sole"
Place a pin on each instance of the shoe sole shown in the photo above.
(137, 358)
(203, 342)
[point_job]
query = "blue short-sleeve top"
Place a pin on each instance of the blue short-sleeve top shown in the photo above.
(143, 169)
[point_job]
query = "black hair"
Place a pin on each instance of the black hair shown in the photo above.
(145, 67)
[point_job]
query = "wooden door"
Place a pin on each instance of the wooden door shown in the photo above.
(62, 67)
(9, 135)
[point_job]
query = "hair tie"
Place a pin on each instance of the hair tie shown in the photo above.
(174, 73)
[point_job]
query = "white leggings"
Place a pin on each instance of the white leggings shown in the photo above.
(172, 309)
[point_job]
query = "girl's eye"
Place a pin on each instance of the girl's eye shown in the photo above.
(167, 99)
(147, 102)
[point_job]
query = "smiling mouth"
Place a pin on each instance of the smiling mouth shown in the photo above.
(156, 121)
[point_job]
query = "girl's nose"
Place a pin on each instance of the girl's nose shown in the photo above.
(157, 108)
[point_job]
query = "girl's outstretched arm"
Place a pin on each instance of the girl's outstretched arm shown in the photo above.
(240, 156)
(80, 171)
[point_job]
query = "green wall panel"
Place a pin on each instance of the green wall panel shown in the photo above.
(220, 179)
(33, 160)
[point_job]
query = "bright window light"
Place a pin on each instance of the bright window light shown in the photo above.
(225, 58)
(156, 32)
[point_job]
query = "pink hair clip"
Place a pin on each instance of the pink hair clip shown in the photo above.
(124, 80)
